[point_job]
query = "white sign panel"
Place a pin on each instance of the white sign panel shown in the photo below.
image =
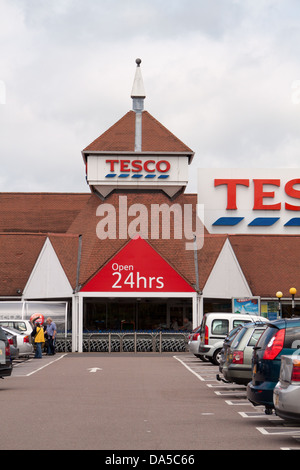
(248, 201)
(110, 172)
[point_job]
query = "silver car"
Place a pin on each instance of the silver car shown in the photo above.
(194, 341)
(23, 326)
(237, 367)
(286, 394)
(24, 343)
(12, 340)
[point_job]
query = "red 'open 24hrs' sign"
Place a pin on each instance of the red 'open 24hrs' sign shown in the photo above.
(137, 268)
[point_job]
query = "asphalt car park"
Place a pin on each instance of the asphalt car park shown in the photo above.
(235, 396)
(133, 401)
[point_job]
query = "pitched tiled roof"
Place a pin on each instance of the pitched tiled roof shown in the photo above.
(96, 252)
(39, 212)
(121, 137)
(18, 255)
(20, 251)
(270, 263)
(66, 249)
(76, 215)
(208, 255)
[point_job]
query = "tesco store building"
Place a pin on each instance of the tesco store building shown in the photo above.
(137, 254)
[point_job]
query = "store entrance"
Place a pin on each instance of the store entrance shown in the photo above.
(135, 314)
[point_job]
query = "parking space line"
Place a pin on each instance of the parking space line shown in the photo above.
(279, 430)
(207, 378)
(238, 402)
(258, 414)
(42, 367)
(230, 392)
(188, 368)
(206, 373)
(227, 387)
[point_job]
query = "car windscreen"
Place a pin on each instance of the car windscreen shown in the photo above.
(266, 337)
(292, 338)
(21, 326)
(255, 336)
(240, 322)
(232, 334)
(12, 331)
(238, 338)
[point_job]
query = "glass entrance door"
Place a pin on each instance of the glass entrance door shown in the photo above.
(137, 314)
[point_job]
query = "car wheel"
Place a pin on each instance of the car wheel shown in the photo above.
(216, 357)
(203, 358)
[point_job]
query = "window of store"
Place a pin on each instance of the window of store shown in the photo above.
(134, 314)
(217, 305)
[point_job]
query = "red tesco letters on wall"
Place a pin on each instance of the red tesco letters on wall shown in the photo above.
(261, 193)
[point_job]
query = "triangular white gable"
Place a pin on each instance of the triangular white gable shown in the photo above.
(226, 279)
(47, 279)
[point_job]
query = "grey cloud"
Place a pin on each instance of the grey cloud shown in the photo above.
(218, 74)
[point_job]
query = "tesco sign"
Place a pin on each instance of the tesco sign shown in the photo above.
(164, 172)
(137, 166)
(250, 200)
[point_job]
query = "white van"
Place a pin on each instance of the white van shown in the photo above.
(214, 329)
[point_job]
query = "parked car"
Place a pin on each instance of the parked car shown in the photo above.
(23, 341)
(227, 342)
(286, 396)
(237, 367)
(214, 329)
(193, 344)
(5, 359)
(12, 339)
(280, 338)
(24, 326)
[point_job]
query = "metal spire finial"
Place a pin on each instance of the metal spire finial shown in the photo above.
(138, 96)
(138, 90)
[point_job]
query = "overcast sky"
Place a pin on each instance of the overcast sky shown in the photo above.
(222, 75)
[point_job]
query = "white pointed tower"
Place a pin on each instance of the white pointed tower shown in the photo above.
(138, 96)
(137, 153)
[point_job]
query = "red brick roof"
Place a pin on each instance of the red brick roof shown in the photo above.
(270, 263)
(96, 252)
(66, 249)
(76, 215)
(121, 137)
(19, 253)
(208, 255)
(39, 212)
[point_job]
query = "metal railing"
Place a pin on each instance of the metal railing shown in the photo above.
(135, 341)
